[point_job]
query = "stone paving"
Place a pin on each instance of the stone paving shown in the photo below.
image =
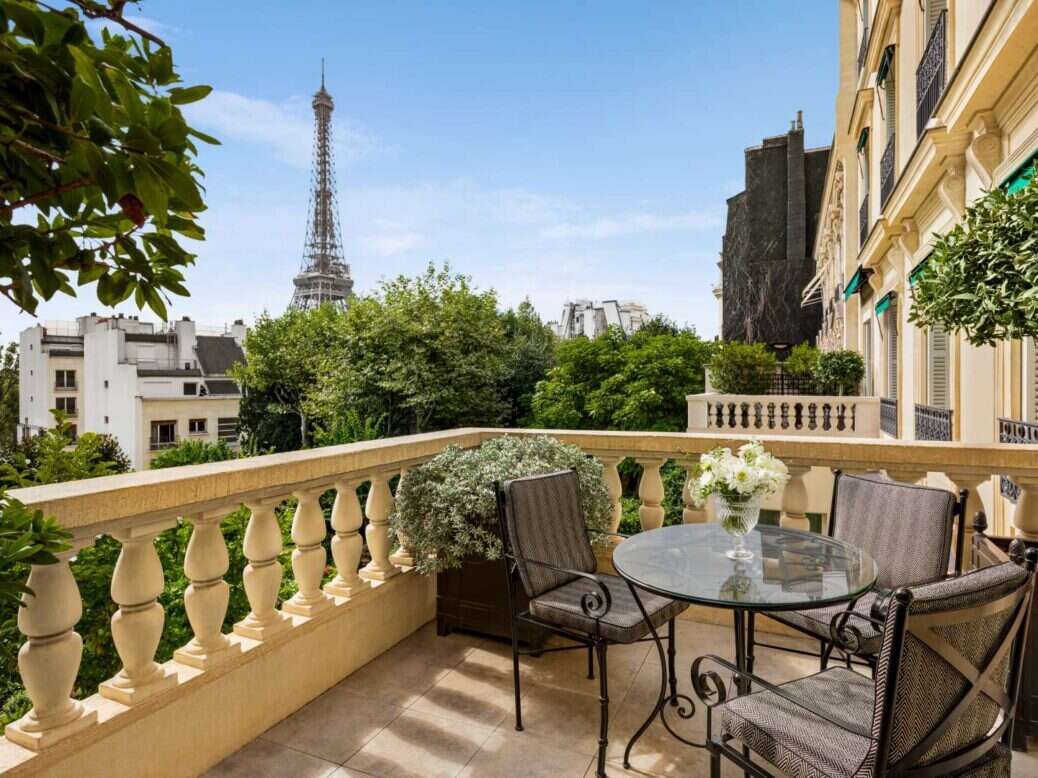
(442, 707)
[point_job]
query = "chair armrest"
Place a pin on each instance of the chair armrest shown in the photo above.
(594, 604)
(700, 679)
(848, 637)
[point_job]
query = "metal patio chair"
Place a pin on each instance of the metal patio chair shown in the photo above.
(908, 529)
(546, 541)
(942, 703)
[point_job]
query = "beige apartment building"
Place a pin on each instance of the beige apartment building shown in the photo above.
(938, 102)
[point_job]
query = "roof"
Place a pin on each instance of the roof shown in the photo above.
(222, 387)
(216, 353)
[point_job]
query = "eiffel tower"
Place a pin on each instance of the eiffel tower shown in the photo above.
(323, 275)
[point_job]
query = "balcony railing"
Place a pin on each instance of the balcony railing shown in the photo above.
(784, 415)
(1015, 432)
(221, 689)
(886, 171)
(888, 416)
(930, 75)
(159, 445)
(863, 48)
(863, 222)
(932, 423)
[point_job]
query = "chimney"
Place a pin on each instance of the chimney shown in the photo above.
(238, 331)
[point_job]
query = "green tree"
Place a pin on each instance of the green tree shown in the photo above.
(97, 171)
(9, 395)
(742, 368)
(531, 353)
(423, 353)
(192, 452)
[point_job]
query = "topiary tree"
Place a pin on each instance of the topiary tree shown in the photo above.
(839, 372)
(802, 361)
(97, 171)
(742, 368)
(982, 277)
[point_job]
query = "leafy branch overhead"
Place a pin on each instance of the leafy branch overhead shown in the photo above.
(982, 277)
(98, 181)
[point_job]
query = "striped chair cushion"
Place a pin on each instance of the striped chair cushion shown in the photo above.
(546, 523)
(817, 622)
(623, 623)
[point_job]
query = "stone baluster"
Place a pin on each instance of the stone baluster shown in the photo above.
(262, 576)
(1025, 517)
(974, 504)
(309, 556)
(137, 582)
(379, 506)
(49, 659)
(650, 492)
(611, 476)
(794, 500)
(907, 476)
(690, 514)
(347, 544)
(205, 600)
(402, 557)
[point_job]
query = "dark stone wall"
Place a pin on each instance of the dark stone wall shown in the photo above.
(768, 238)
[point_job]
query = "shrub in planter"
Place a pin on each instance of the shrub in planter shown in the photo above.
(802, 361)
(742, 368)
(982, 277)
(839, 372)
(446, 507)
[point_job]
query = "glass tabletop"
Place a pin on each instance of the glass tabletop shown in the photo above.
(789, 570)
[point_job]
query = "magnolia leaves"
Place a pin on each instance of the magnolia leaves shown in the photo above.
(98, 181)
(982, 277)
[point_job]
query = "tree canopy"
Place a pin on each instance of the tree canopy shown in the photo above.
(97, 164)
(624, 383)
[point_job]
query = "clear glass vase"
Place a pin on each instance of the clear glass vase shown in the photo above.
(738, 518)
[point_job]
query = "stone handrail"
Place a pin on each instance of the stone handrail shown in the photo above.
(768, 415)
(136, 507)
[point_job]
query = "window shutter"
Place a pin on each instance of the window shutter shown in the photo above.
(891, 327)
(938, 342)
(867, 354)
(891, 92)
(933, 11)
(1031, 382)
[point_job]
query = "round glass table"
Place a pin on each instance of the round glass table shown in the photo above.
(790, 570)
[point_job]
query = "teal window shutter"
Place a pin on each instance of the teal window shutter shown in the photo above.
(1022, 176)
(916, 273)
(863, 139)
(884, 65)
(883, 304)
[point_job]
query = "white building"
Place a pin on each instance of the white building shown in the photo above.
(148, 387)
(584, 317)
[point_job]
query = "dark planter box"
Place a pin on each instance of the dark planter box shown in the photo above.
(473, 598)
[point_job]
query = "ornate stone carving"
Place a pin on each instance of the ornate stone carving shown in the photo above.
(952, 188)
(985, 150)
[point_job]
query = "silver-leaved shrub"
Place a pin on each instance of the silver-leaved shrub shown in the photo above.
(446, 508)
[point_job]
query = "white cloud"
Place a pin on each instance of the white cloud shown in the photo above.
(638, 223)
(286, 127)
(388, 244)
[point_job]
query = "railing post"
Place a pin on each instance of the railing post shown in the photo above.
(690, 514)
(309, 557)
(1025, 517)
(650, 492)
(48, 661)
(205, 600)
(262, 576)
(794, 500)
(347, 544)
(402, 557)
(611, 476)
(137, 582)
(380, 502)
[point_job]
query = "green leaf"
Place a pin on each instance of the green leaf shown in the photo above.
(150, 188)
(182, 184)
(203, 137)
(191, 94)
(83, 100)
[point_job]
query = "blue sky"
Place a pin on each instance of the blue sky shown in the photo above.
(550, 150)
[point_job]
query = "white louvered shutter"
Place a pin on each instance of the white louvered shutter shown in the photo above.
(892, 346)
(866, 352)
(1031, 381)
(939, 364)
(933, 11)
(890, 87)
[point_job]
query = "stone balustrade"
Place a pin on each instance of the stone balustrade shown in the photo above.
(221, 689)
(786, 414)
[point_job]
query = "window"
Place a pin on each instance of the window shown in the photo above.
(890, 326)
(191, 388)
(66, 404)
(106, 419)
(866, 353)
(890, 91)
(934, 9)
(163, 434)
(937, 361)
(196, 426)
(65, 379)
(227, 429)
(106, 383)
(73, 432)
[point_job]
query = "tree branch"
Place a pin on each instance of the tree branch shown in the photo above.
(114, 13)
(79, 183)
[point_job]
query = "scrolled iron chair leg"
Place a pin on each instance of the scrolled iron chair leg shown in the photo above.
(515, 680)
(671, 662)
(591, 662)
(603, 699)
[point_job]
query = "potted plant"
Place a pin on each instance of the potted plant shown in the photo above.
(447, 510)
(737, 482)
(839, 372)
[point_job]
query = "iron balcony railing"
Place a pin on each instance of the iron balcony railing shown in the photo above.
(863, 222)
(888, 416)
(886, 171)
(930, 75)
(932, 423)
(1014, 431)
(863, 48)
